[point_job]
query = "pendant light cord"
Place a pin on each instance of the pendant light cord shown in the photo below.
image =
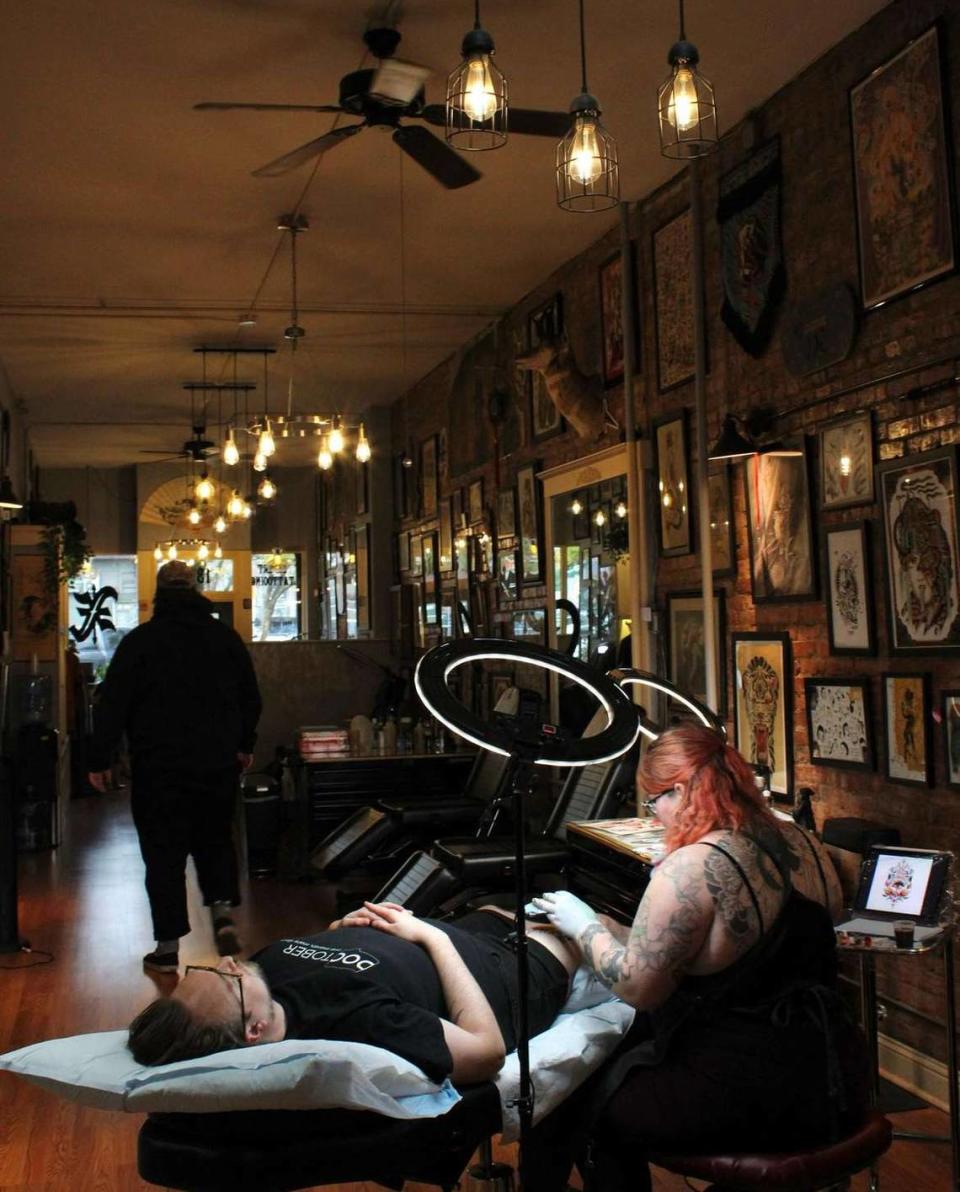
(476, 14)
(683, 36)
(583, 49)
(403, 310)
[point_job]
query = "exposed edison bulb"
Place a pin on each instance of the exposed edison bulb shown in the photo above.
(203, 551)
(600, 518)
(335, 440)
(259, 461)
(584, 163)
(204, 490)
(324, 457)
(846, 464)
(621, 509)
(667, 499)
(267, 444)
(267, 489)
(172, 551)
(193, 517)
(576, 507)
(220, 524)
(235, 505)
(363, 446)
(157, 553)
(683, 111)
(231, 454)
(218, 551)
(247, 511)
(479, 93)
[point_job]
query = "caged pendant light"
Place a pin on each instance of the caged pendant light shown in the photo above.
(477, 104)
(588, 167)
(688, 110)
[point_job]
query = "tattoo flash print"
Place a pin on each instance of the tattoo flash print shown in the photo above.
(761, 694)
(838, 723)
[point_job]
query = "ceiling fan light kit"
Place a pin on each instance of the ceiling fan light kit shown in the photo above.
(477, 101)
(588, 164)
(686, 103)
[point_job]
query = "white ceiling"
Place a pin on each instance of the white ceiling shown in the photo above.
(132, 230)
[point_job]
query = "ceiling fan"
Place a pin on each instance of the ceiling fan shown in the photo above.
(196, 449)
(383, 96)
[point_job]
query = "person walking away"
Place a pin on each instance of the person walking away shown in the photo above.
(183, 689)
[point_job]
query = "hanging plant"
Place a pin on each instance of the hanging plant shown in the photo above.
(616, 540)
(63, 544)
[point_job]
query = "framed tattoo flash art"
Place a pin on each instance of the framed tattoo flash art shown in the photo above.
(506, 513)
(475, 502)
(685, 646)
(673, 282)
(611, 319)
(722, 541)
(849, 599)
(906, 717)
(762, 704)
(838, 723)
(673, 484)
(921, 509)
(782, 561)
(846, 461)
(901, 171)
(950, 716)
(403, 550)
(529, 525)
(545, 324)
(507, 573)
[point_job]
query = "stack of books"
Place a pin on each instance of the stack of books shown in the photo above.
(317, 741)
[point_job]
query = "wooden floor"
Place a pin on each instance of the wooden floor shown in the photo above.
(85, 903)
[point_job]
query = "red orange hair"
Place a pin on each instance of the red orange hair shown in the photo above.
(721, 792)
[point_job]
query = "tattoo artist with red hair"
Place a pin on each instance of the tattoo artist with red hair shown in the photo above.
(741, 1041)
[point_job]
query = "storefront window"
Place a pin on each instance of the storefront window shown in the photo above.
(276, 596)
(103, 606)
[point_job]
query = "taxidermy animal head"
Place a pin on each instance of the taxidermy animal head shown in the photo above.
(578, 397)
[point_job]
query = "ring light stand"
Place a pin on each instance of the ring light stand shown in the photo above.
(527, 745)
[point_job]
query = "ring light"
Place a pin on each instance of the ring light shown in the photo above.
(434, 670)
(629, 677)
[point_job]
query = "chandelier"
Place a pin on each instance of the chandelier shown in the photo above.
(189, 550)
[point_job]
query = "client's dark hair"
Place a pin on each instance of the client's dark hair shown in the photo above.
(166, 1031)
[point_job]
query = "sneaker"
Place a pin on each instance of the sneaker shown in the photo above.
(226, 937)
(161, 962)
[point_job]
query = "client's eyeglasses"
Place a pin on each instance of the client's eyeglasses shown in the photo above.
(651, 804)
(209, 968)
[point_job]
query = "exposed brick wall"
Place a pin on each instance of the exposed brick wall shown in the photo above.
(810, 116)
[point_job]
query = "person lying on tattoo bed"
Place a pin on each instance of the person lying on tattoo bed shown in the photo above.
(442, 995)
(742, 1042)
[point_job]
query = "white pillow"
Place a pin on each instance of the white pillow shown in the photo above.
(99, 1071)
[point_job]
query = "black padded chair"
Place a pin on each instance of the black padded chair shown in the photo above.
(457, 869)
(377, 838)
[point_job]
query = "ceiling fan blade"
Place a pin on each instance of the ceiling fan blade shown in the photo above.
(313, 148)
(216, 106)
(436, 156)
(528, 122)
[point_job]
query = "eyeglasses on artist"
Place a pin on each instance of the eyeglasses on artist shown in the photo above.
(651, 804)
(209, 968)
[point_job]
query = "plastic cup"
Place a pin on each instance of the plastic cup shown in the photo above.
(903, 932)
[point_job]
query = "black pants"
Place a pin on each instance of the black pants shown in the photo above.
(179, 814)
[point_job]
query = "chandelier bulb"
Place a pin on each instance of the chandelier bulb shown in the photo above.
(203, 550)
(218, 551)
(231, 454)
(335, 440)
(204, 490)
(600, 518)
(576, 507)
(220, 524)
(193, 517)
(157, 553)
(363, 446)
(266, 489)
(621, 509)
(172, 551)
(247, 511)
(324, 457)
(267, 444)
(259, 461)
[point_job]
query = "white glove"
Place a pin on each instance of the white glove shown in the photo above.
(568, 913)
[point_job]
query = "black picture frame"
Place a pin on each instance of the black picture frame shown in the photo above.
(430, 571)
(530, 525)
(475, 502)
(950, 728)
(685, 661)
(447, 563)
(783, 560)
(362, 554)
(506, 514)
(763, 704)
(403, 551)
(530, 625)
(612, 339)
(919, 499)
(847, 461)
(848, 594)
(839, 723)
(508, 573)
(723, 538)
(906, 727)
(416, 559)
(674, 507)
(546, 322)
(900, 129)
(673, 301)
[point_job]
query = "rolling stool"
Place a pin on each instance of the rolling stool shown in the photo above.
(802, 1171)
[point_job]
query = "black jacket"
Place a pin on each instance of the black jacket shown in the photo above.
(182, 687)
